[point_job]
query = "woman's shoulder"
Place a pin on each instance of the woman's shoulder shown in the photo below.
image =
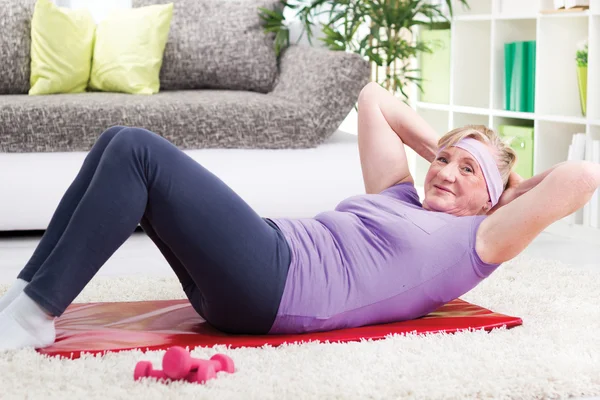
(486, 268)
(404, 191)
(462, 231)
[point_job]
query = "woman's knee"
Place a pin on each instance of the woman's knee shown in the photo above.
(133, 137)
(136, 134)
(137, 143)
(105, 138)
(110, 133)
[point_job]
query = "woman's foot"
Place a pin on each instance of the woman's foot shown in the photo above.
(12, 293)
(25, 324)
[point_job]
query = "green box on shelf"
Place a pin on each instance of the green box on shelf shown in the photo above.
(520, 139)
(435, 66)
(519, 74)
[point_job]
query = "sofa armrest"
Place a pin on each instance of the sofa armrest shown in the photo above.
(325, 82)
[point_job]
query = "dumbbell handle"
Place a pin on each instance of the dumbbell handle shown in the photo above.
(144, 369)
(158, 374)
(213, 363)
(203, 373)
(177, 363)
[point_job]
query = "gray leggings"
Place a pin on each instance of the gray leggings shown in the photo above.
(232, 264)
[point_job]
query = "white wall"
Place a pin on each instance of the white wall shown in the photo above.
(98, 8)
(101, 8)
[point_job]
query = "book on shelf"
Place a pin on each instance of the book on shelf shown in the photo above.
(519, 76)
(583, 147)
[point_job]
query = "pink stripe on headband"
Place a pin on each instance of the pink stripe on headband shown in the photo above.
(488, 165)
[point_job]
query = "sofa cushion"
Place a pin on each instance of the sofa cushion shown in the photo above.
(15, 45)
(217, 44)
(62, 41)
(129, 48)
(191, 119)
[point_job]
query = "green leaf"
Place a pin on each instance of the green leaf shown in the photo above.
(382, 31)
(282, 41)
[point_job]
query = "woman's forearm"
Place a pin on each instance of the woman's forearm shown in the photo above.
(592, 176)
(532, 182)
(410, 127)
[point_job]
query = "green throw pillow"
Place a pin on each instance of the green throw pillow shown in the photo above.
(61, 49)
(129, 50)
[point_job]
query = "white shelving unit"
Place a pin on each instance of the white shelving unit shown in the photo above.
(477, 79)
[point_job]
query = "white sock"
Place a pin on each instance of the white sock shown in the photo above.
(12, 293)
(24, 324)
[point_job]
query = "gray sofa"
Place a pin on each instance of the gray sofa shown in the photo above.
(222, 86)
(267, 127)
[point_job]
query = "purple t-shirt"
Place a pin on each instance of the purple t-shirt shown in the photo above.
(376, 258)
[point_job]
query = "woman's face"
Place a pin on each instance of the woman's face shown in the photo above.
(455, 184)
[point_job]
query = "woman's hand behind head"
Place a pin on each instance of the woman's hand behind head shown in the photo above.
(510, 193)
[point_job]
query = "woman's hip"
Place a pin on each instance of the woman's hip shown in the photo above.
(243, 298)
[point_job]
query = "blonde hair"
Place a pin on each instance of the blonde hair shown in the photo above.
(505, 156)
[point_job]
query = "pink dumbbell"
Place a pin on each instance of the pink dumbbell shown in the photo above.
(202, 374)
(178, 363)
(143, 369)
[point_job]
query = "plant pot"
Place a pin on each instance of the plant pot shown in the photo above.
(582, 80)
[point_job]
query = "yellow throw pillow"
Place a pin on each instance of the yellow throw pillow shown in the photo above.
(62, 41)
(129, 50)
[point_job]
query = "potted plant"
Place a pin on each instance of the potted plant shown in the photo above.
(581, 57)
(382, 31)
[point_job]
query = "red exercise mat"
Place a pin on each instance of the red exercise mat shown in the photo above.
(157, 325)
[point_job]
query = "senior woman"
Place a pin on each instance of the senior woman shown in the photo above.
(377, 257)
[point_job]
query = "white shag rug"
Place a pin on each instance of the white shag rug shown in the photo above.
(554, 354)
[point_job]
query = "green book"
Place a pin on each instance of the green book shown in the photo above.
(519, 67)
(531, 51)
(518, 86)
(509, 55)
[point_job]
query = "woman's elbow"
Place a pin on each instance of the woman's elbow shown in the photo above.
(585, 175)
(594, 174)
(368, 91)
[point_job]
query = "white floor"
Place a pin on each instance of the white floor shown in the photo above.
(138, 255)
